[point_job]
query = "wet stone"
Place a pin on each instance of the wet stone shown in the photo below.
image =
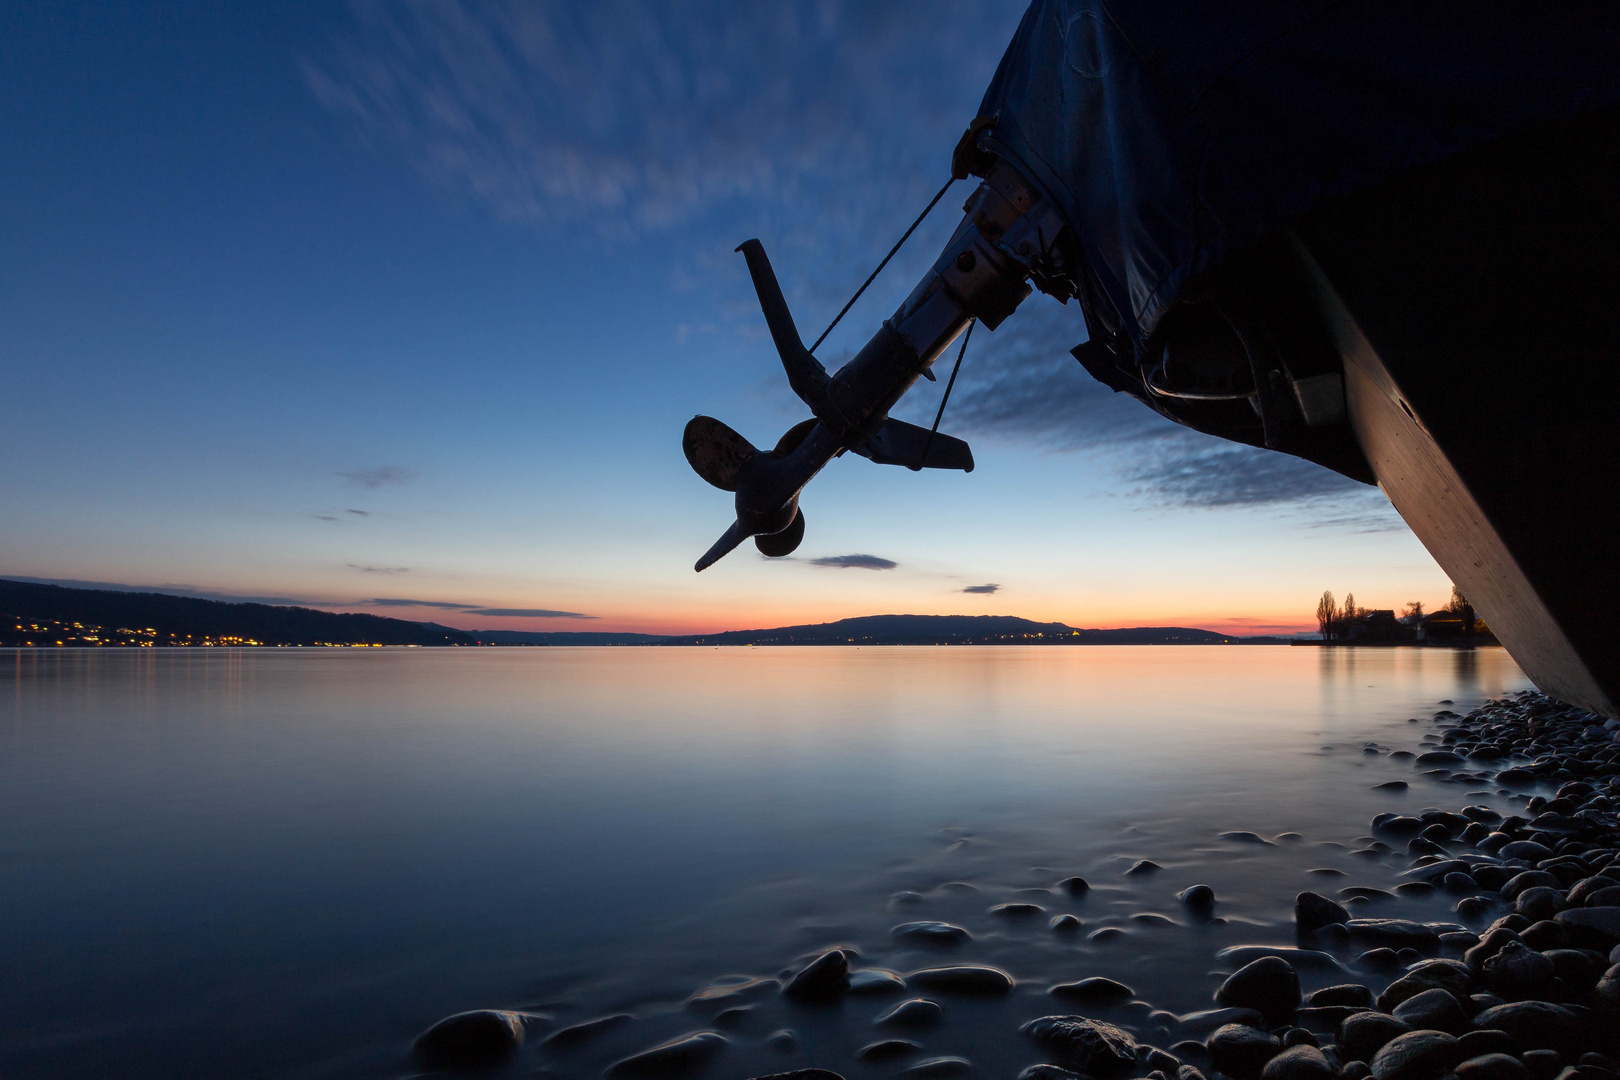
(1244, 837)
(1533, 1025)
(802, 1074)
(470, 1040)
(678, 1057)
(968, 979)
(1596, 928)
(887, 1050)
(1417, 1055)
(1211, 1019)
(1361, 1036)
(1197, 897)
(1393, 932)
(938, 1068)
(1017, 910)
(783, 1041)
(1301, 1062)
(1107, 933)
(825, 978)
(1313, 911)
(913, 1015)
(1075, 886)
(1492, 1067)
(1142, 867)
(1517, 970)
(874, 982)
(1050, 1072)
(1487, 1041)
(1241, 1051)
(1090, 1046)
(1436, 1010)
(1270, 986)
(1342, 994)
(931, 933)
(579, 1034)
(1065, 924)
(1540, 902)
(1095, 990)
(1545, 935)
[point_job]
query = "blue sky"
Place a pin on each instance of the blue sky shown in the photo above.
(411, 301)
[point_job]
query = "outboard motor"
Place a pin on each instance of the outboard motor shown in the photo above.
(1009, 235)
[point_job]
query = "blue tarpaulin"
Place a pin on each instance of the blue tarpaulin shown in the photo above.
(1174, 134)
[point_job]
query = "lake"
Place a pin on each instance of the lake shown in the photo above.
(288, 862)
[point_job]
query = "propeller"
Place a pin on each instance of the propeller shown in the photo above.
(850, 413)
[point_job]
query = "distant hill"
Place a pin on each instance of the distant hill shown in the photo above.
(961, 630)
(563, 637)
(52, 614)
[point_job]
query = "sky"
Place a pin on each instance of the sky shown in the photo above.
(402, 308)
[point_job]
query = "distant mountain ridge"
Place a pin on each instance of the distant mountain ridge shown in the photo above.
(54, 614)
(40, 615)
(961, 630)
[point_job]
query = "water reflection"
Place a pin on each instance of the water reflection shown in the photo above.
(280, 862)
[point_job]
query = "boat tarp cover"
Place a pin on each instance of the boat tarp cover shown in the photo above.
(1174, 134)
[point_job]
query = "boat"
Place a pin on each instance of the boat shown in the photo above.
(1383, 238)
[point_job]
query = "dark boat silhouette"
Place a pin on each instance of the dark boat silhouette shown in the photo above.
(1384, 238)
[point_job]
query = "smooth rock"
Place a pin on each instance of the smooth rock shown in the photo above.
(874, 982)
(1312, 911)
(678, 1057)
(1517, 970)
(1361, 1036)
(913, 1015)
(1301, 959)
(579, 1034)
(1244, 837)
(1435, 1010)
(1393, 932)
(1528, 850)
(1492, 1067)
(1143, 866)
(1302, 1062)
(1527, 879)
(1197, 897)
(477, 1039)
(783, 1041)
(1270, 986)
(1065, 924)
(1091, 1046)
(1210, 1019)
(931, 933)
(966, 979)
(802, 1074)
(1596, 928)
(887, 1050)
(1452, 975)
(1486, 1041)
(1095, 990)
(825, 978)
(1017, 910)
(1533, 1025)
(1075, 886)
(1342, 994)
(1050, 1072)
(1417, 1055)
(1241, 1051)
(1107, 933)
(1540, 902)
(1326, 1018)
(938, 1068)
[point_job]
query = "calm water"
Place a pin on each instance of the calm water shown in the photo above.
(285, 863)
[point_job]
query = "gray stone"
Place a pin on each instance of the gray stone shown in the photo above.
(1075, 886)
(1485, 1041)
(1517, 971)
(1492, 1067)
(1362, 1035)
(1091, 1046)
(1452, 975)
(1417, 1055)
(1312, 911)
(967, 979)
(938, 1068)
(678, 1057)
(1528, 850)
(1050, 1072)
(470, 1040)
(1270, 986)
(1539, 902)
(1596, 928)
(1396, 933)
(579, 1034)
(1241, 1051)
(1096, 990)
(1210, 1019)
(826, 978)
(931, 933)
(1435, 1010)
(887, 1050)
(1302, 1062)
(803, 1074)
(1342, 994)
(1533, 1025)
(912, 1015)
(1529, 879)
(1197, 897)
(874, 982)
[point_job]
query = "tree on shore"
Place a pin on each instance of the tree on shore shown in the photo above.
(1413, 613)
(1460, 607)
(1327, 611)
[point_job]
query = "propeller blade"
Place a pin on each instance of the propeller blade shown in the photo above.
(722, 547)
(805, 373)
(715, 452)
(900, 443)
(786, 542)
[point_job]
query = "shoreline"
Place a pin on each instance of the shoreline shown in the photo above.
(1522, 984)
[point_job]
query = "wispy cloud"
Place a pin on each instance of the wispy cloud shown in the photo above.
(855, 562)
(359, 513)
(376, 478)
(394, 601)
(648, 112)
(323, 517)
(527, 613)
(982, 590)
(380, 569)
(1199, 471)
